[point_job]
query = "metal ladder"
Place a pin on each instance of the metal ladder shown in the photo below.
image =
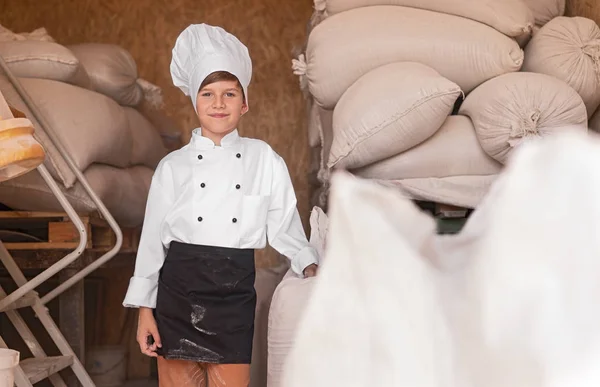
(41, 366)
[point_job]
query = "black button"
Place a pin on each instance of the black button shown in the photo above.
(234, 220)
(202, 185)
(199, 157)
(237, 186)
(199, 219)
(238, 155)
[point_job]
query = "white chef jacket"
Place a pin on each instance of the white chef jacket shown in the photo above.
(234, 195)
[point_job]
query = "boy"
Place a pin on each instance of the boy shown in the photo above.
(210, 204)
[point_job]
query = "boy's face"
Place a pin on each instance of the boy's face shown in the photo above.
(220, 106)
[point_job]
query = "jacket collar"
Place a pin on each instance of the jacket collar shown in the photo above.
(198, 141)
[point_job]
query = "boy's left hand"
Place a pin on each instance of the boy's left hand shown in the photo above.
(311, 270)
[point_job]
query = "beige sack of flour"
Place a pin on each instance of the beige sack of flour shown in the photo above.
(347, 46)
(122, 190)
(314, 124)
(374, 318)
(569, 49)
(267, 280)
(535, 276)
(287, 307)
(510, 17)
(92, 127)
(388, 111)
(39, 59)
(545, 10)
(510, 301)
(452, 151)
(326, 135)
(463, 191)
(288, 304)
(147, 146)
(512, 108)
(113, 72)
(170, 131)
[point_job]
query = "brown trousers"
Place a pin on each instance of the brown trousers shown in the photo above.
(183, 373)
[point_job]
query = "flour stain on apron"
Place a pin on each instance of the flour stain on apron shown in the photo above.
(197, 316)
(193, 351)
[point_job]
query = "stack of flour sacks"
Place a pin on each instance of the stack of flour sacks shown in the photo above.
(512, 300)
(433, 96)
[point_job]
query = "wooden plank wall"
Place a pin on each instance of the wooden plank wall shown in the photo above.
(585, 8)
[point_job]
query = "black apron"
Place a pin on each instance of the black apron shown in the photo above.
(206, 304)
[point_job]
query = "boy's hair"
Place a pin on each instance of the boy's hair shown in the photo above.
(218, 76)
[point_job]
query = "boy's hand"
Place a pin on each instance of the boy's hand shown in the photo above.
(311, 270)
(147, 329)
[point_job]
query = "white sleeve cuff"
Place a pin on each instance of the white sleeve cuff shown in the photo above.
(141, 293)
(305, 257)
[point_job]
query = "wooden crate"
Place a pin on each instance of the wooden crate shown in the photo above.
(30, 230)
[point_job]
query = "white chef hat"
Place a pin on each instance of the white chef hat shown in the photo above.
(202, 49)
